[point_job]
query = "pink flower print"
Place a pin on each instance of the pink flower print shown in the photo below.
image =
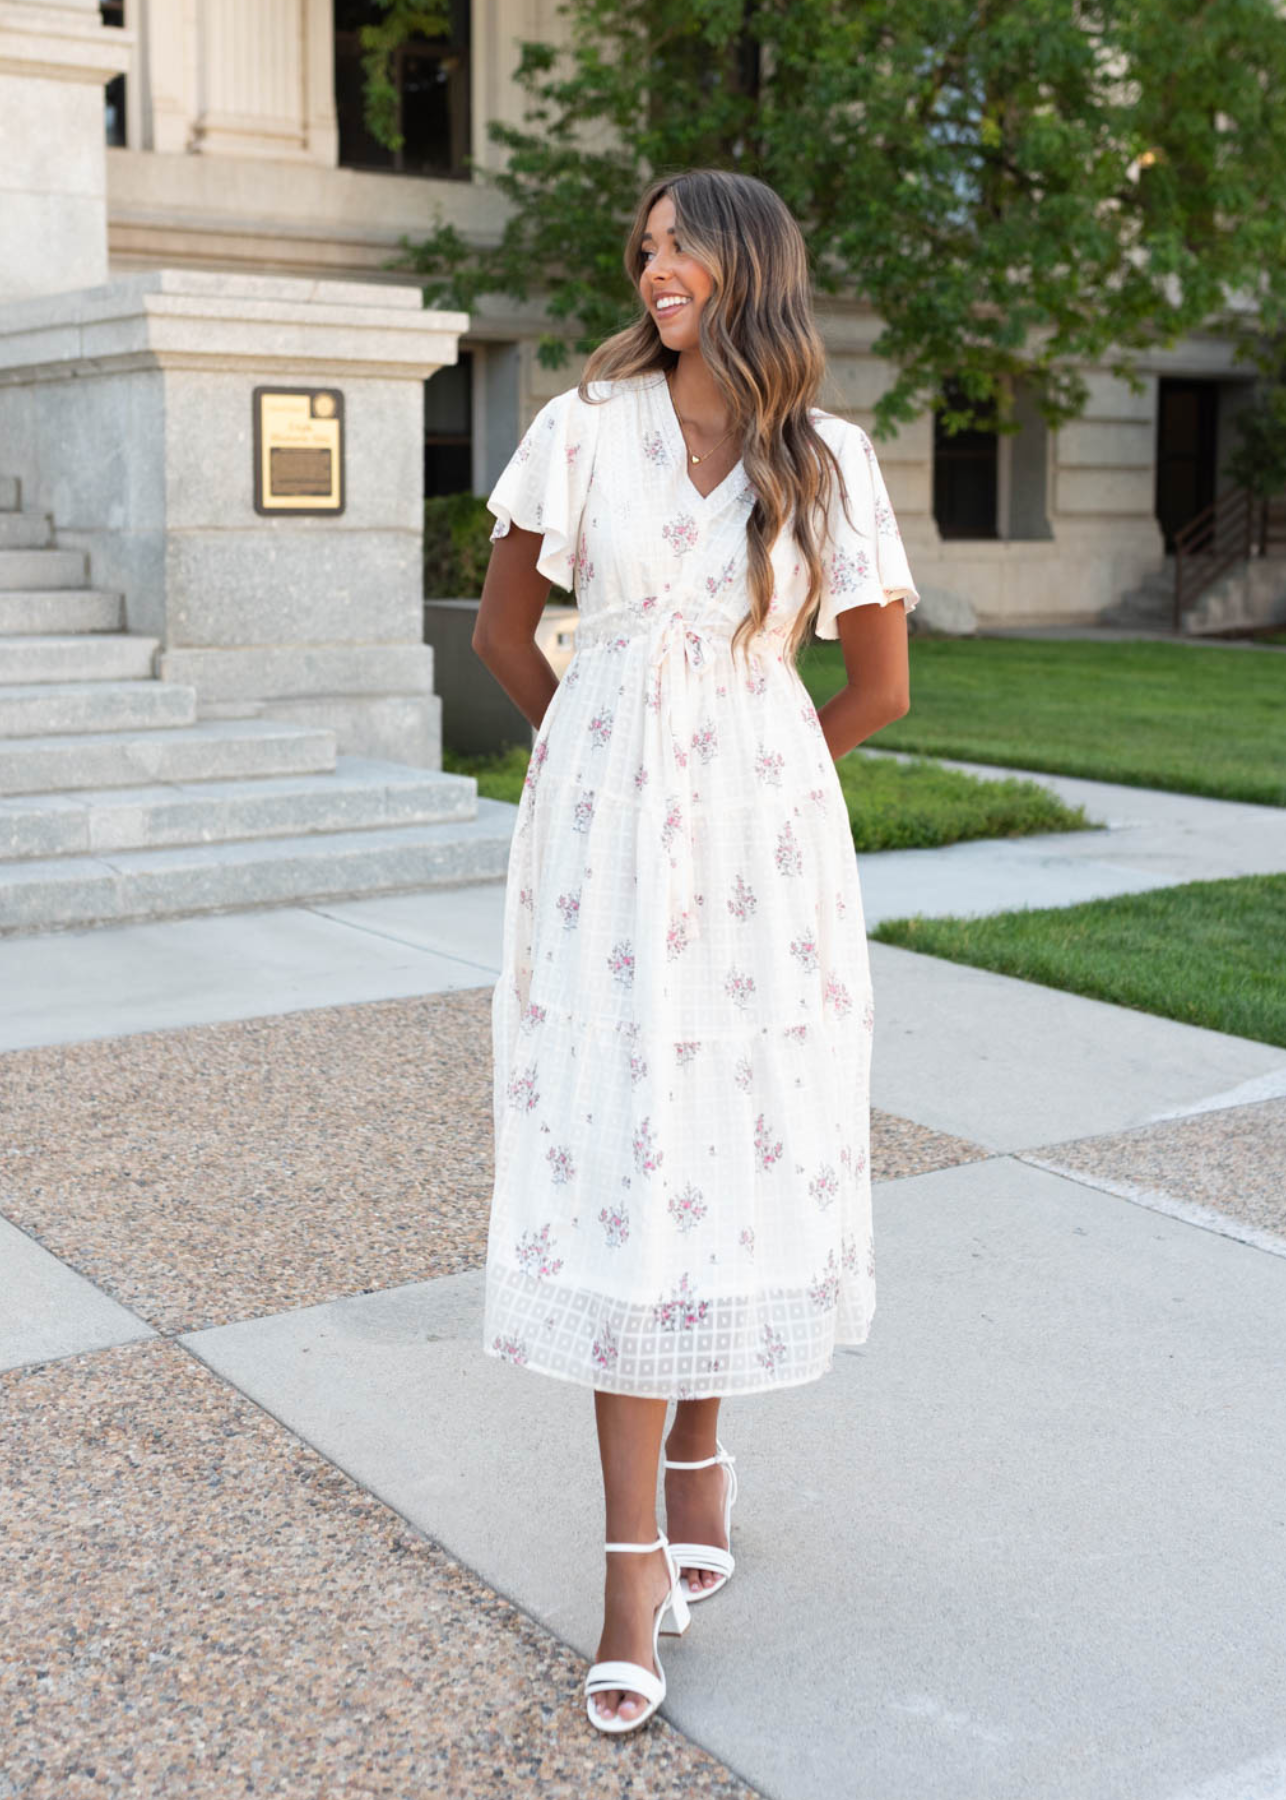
(885, 523)
(824, 1187)
(522, 1089)
(819, 797)
(620, 960)
(600, 727)
(808, 713)
(615, 1221)
(573, 451)
(841, 906)
(527, 898)
(870, 1257)
(640, 778)
(532, 1015)
(535, 763)
(647, 605)
(680, 754)
(848, 1255)
(739, 986)
(769, 765)
(756, 679)
(788, 856)
(511, 1348)
(766, 1152)
(798, 1034)
(572, 675)
(836, 995)
(747, 495)
(773, 1353)
(673, 822)
(647, 1158)
(681, 534)
(532, 1253)
(685, 1052)
(605, 1348)
(824, 1291)
(654, 449)
(746, 1238)
(569, 907)
(688, 1208)
(676, 938)
(846, 571)
(582, 567)
(868, 1016)
(743, 902)
(714, 583)
(652, 698)
(682, 1311)
(743, 1074)
(561, 1166)
(583, 812)
(804, 949)
(638, 1066)
(705, 741)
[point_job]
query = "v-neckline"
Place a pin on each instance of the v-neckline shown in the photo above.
(678, 444)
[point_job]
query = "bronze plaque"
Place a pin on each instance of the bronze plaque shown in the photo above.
(299, 450)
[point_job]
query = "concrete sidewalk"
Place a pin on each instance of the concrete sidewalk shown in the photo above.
(277, 1521)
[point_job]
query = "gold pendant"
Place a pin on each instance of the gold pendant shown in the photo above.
(696, 459)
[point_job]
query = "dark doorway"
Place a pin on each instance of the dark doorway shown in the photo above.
(1187, 428)
(431, 82)
(964, 478)
(448, 429)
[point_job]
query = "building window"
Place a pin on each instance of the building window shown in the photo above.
(964, 477)
(112, 12)
(448, 429)
(431, 76)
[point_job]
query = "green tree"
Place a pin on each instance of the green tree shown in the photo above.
(1015, 186)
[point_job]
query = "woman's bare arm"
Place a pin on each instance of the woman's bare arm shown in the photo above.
(873, 641)
(513, 598)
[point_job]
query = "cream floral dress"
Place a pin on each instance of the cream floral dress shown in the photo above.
(682, 1024)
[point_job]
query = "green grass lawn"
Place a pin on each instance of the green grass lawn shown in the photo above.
(1208, 952)
(892, 805)
(1197, 720)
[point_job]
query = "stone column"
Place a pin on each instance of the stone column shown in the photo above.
(130, 410)
(55, 59)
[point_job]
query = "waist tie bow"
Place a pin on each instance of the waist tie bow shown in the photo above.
(678, 656)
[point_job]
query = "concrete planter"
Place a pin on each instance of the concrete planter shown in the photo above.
(478, 717)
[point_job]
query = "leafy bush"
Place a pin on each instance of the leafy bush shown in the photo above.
(457, 548)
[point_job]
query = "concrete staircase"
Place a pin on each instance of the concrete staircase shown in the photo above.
(117, 803)
(1249, 594)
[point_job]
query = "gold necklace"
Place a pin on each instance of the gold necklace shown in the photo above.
(683, 434)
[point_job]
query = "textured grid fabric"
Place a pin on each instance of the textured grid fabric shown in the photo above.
(682, 1024)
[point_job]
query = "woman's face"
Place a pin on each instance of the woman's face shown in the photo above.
(674, 286)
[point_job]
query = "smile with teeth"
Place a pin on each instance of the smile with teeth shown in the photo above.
(669, 303)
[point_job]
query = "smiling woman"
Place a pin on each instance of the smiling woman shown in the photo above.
(682, 1024)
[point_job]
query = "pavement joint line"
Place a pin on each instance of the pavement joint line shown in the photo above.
(1187, 1212)
(392, 937)
(1259, 1088)
(183, 1341)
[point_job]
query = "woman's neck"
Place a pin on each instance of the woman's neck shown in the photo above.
(696, 398)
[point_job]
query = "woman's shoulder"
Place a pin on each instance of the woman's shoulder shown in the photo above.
(600, 391)
(837, 430)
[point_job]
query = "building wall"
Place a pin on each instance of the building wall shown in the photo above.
(232, 165)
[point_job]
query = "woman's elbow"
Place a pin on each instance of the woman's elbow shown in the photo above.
(897, 703)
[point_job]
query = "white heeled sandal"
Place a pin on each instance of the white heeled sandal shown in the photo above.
(633, 1678)
(709, 1556)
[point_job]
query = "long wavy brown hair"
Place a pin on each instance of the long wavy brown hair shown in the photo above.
(761, 345)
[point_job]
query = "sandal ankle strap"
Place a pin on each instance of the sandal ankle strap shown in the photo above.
(642, 1549)
(708, 1462)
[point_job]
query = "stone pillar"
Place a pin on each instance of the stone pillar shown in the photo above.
(127, 412)
(55, 59)
(240, 78)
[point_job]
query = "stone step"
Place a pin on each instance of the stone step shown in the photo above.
(361, 795)
(10, 493)
(43, 568)
(30, 709)
(25, 531)
(149, 884)
(55, 612)
(110, 656)
(222, 750)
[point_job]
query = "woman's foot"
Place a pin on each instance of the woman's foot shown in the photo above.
(634, 1588)
(694, 1506)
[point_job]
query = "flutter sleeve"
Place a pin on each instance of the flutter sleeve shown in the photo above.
(864, 562)
(546, 482)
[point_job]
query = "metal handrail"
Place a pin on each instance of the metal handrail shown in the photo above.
(1220, 535)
